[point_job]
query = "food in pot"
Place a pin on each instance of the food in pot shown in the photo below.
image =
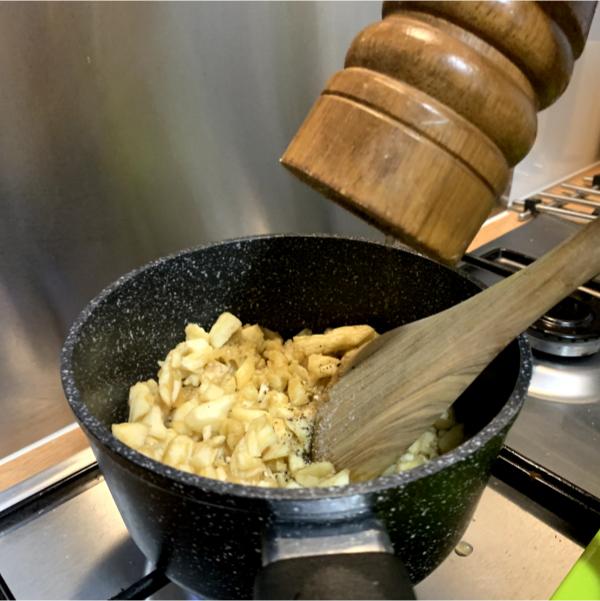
(238, 403)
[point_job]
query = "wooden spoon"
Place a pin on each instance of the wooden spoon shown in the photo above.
(402, 382)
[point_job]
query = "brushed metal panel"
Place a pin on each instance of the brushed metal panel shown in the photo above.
(132, 130)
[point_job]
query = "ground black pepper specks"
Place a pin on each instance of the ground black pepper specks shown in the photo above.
(208, 534)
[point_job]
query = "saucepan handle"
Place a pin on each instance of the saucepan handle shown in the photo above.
(336, 576)
(329, 558)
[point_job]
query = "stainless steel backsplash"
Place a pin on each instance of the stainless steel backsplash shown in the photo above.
(132, 130)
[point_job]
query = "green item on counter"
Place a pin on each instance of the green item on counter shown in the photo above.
(583, 580)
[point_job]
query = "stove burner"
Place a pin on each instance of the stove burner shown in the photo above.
(572, 327)
(569, 313)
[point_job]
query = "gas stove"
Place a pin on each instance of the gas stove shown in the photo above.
(61, 535)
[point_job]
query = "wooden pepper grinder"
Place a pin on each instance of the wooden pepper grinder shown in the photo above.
(435, 104)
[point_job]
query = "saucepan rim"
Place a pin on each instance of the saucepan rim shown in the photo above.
(102, 434)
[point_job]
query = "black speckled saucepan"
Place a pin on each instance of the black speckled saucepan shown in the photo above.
(226, 540)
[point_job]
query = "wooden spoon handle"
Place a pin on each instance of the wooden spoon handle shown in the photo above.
(484, 324)
(508, 308)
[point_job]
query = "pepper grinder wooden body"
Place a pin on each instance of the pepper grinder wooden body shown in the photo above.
(435, 104)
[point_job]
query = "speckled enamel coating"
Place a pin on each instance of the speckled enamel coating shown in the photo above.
(207, 534)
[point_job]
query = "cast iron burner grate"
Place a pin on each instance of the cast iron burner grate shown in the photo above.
(578, 509)
(142, 589)
(565, 203)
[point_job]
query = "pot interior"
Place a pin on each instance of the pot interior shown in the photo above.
(285, 283)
